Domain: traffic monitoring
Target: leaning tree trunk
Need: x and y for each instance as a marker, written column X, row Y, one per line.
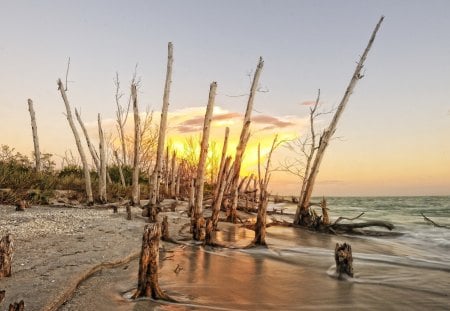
column 119, row 165
column 156, row 176
column 102, row 172
column 148, row 285
column 173, row 171
column 199, row 183
column 222, row 160
column 245, row 134
column 88, row 142
column 6, row 254
column 87, row 176
column 329, row 132
column 37, row 153
column 135, row 195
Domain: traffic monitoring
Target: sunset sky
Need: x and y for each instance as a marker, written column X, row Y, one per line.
column 393, row 139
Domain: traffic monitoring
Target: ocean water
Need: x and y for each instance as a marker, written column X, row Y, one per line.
column 410, row 271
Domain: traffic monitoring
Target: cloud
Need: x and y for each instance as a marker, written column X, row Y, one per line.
column 271, row 122
column 308, row 103
column 195, row 123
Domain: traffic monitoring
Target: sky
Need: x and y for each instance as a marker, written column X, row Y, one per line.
column 393, row 139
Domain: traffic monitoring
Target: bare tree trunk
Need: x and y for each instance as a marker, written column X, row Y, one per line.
column 199, row 185
column 245, row 134
column 119, row 165
column 87, row 176
column 135, row 196
column 148, row 285
column 88, row 142
column 156, row 176
column 37, row 153
column 6, row 254
column 166, row 174
column 173, row 169
column 165, row 236
column 217, row 203
column 222, row 161
column 102, row 172
column 191, row 198
column 260, row 227
column 329, row 132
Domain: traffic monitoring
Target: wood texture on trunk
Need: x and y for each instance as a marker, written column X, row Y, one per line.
column 344, row 259
column 222, row 161
column 222, row 182
column 201, row 168
column 87, row 176
column 156, row 177
column 329, row 132
column 91, row 148
column 37, row 152
column 245, row 132
column 135, row 193
column 148, row 285
column 102, row 172
column 173, row 170
column 119, row 165
column 6, row 255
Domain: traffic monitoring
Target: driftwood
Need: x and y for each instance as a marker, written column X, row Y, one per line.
column 433, row 223
column 372, row 223
column 344, row 259
column 6, row 255
column 148, row 285
column 17, row 306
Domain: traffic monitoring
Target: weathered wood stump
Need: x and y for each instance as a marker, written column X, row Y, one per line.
column 344, row 259
column 209, row 240
column 129, row 216
column 165, row 236
column 6, row 254
column 22, row 205
column 17, row 306
column 148, row 265
column 2, row 295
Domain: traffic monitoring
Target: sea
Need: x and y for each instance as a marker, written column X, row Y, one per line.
column 408, row 270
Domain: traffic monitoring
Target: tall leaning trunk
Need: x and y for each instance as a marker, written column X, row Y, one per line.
column 304, row 202
column 201, row 168
column 135, row 195
column 155, row 178
column 88, row 142
column 102, row 172
column 87, row 176
column 37, row 152
column 245, row 134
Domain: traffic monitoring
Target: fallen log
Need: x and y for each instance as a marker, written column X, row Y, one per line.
column 349, row 227
column 433, row 223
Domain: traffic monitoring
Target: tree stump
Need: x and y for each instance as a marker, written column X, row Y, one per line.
column 17, row 306
column 208, row 233
column 22, row 205
column 6, row 254
column 165, row 229
column 2, row 295
column 129, row 212
column 148, row 265
column 344, row 259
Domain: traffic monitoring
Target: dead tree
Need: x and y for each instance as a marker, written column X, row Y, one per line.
column 121, row 118
column 172, row 189
column 260, row 227
column 91, row 148
column 165, row 236
column 344, row 259
column 6, row 255
column 222, row 160
column 245, row 134
column 191, row 198
column 304, row 202
column 87, row 176
column 135, row 193
column 119, row 165
column 37, row 153
column 155, row 178
column 201, row 168
column 148, row 285
column 102, row 171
